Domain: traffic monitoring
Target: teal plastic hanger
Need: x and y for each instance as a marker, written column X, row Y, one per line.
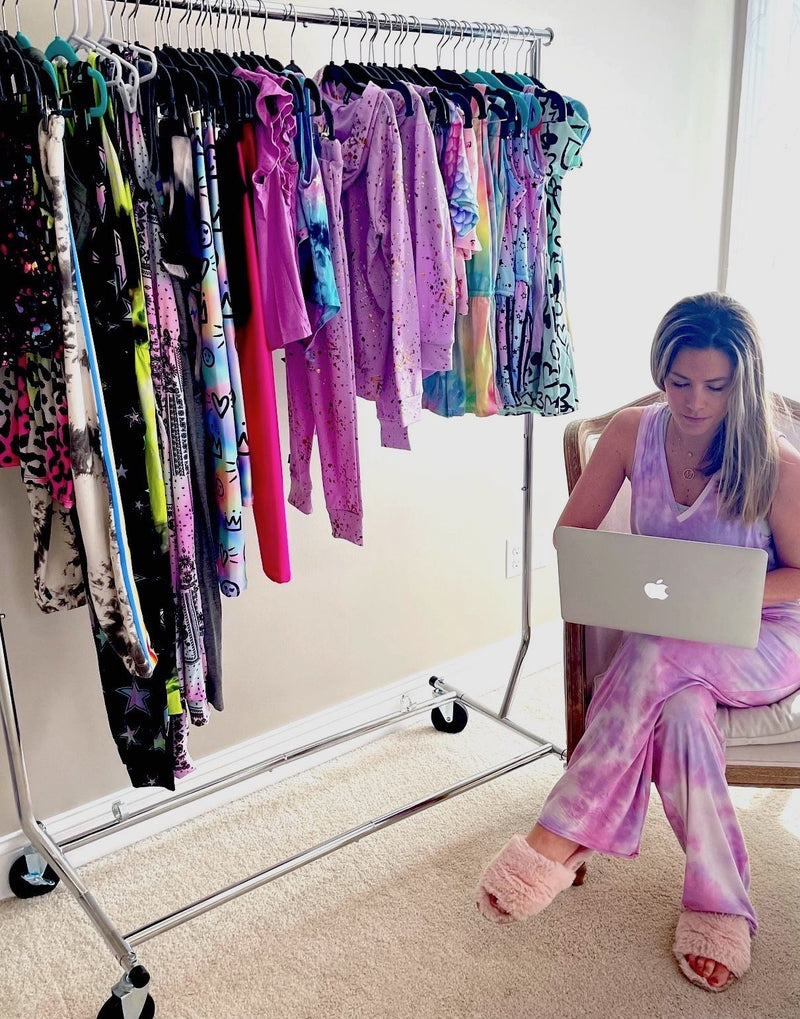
column 24, row 43
column 59, row 47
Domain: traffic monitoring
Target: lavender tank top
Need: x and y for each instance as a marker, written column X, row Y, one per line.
column 655, row 511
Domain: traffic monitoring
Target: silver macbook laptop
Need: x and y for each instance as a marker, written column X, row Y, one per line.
column 663, row 586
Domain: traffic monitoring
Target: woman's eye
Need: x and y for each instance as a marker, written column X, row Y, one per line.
column 680, row 385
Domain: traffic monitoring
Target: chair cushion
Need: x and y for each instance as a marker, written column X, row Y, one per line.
column 771, row 723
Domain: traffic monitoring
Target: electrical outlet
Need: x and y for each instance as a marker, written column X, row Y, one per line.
column 513, row 557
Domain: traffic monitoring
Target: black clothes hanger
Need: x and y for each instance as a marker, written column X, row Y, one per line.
column 465, row 105
column 512, row 121
column 337, row 74
column 405, row 92
column 296, row 87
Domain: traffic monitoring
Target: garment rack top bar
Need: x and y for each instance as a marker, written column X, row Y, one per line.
column 363, row 19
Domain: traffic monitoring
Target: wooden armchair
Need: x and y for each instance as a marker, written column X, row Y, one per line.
column 762, row 744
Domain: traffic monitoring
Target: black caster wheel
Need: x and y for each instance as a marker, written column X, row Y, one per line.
column 113, row 1009
column 458, row 722
column 24, row 889
column 139, row 978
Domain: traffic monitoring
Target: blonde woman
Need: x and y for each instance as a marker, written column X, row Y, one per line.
column 706, row 465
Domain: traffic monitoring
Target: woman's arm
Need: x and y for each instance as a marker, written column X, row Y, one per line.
column 605, row 470
column 783, row 583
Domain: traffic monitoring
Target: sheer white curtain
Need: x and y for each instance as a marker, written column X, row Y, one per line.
column 764, row 256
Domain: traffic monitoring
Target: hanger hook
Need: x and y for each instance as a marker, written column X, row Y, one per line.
column 505, row 47
column 201, row 11
column 243, row 25
column 190, row 26
column 401, row 38
column 219, row 26
column 446, row 34
column 470, row 26
column 419, row 35
column 181, row 23
column 460, row 25
column 262, row 13
column 440, row 28
column 336, row 12
column 365, row 19
column 530, row 37
column 110, row 14
column 236, row 19
column 247, row 28
column 493, row 44
column 398, row 36
column 518, row 30
column 470, row 30
column 374, row 36
column 346, row 14
column 390, row 22
column 455, row 25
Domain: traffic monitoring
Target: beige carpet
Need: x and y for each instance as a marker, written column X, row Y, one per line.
column 387, row 927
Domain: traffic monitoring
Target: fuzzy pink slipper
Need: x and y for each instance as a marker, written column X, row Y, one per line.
column 520, row 882
column 723, row 937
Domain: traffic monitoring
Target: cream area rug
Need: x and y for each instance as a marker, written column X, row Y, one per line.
column 387, row 927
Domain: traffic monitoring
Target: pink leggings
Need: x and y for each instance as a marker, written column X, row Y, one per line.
column 653, row 719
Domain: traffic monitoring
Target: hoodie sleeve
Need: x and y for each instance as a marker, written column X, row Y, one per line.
column 431, row 236
column 390, row 274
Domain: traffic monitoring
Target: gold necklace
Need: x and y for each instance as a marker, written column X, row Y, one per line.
column 689, row 472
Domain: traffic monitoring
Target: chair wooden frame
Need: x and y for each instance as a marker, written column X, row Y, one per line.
column 576, row 683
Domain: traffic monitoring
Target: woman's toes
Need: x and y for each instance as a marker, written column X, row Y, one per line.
column 494, row 904
column 720, row 976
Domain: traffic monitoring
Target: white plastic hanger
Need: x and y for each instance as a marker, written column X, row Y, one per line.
column 108, row 38
column 128, row 88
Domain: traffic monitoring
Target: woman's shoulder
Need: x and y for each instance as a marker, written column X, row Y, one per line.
column 629, row 417
column 625, row 423
column 623, row 431
column 787, row 451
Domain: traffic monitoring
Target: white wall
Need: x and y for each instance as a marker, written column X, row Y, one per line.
column 641, row 228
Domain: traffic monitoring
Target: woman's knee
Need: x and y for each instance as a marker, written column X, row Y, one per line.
column 690, row 708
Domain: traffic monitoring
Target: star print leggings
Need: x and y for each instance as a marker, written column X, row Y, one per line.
column 653, row 719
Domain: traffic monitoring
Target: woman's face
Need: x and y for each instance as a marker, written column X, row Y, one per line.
column 697, row 387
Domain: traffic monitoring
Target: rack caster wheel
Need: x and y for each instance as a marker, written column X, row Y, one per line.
column 456, row 723
column 113, row 1009
column 129, row 999
column 26, row 887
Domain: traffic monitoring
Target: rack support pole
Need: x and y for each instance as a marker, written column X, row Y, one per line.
column 37, row 834
column 527, row 497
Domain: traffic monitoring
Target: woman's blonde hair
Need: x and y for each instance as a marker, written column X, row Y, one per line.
column 745, row 448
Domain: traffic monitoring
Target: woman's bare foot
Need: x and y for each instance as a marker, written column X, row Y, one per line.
column 714, row 972
column 554, row 847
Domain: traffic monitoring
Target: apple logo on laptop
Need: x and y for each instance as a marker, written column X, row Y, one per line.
column 657, row 590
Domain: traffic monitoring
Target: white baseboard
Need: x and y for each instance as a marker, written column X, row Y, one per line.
column 475, row 675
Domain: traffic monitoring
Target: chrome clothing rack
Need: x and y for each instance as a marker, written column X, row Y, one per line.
column 44, row 862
